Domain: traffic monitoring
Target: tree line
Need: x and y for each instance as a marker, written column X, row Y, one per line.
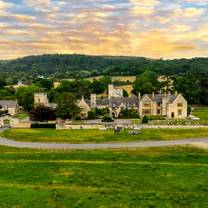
column 81, row 66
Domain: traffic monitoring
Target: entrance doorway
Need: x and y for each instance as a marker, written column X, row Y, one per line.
column 172, row 115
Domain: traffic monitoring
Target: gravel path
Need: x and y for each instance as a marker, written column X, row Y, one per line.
column 40, row 145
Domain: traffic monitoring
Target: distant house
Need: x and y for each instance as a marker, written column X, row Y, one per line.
column 10, row 105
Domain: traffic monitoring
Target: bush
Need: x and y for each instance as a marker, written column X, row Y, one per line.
column 91, row 115
column 156, row 117
column 129, row 113
column 43, row 126
column 107, row 118
column 145, row 119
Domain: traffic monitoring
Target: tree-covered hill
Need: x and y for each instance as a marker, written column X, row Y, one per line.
column 68, row 66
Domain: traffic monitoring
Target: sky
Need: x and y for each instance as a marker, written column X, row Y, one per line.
column 149, row 28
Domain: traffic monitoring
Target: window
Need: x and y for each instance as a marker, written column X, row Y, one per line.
column 146, row 112
column 180, row 104
column 158, row 111
column 146, row 104
column 179, row 112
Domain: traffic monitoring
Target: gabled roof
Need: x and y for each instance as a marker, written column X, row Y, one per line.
column 127, row 101
column 9, row 103
column 158, row 97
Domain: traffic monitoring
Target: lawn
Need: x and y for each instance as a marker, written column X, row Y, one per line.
column 201, row 112
column 84, row 136
column 147, row 178
column 21, row 116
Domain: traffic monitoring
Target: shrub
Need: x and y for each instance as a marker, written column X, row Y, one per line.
column 43, row 126
column 145, row 119
column 129, row 113
column 91, row 115
column 156, row 117
column 107, row 118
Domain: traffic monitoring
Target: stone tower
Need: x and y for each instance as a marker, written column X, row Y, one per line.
column 41, row 99
column 114, row 92
column 93, row 100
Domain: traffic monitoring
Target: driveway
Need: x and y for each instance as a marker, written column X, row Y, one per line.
column 88, row 146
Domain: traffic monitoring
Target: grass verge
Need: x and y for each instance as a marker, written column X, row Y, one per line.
column 150, row 177
column 86, row 136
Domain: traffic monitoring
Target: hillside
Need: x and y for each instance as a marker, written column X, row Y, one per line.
column 68, row 66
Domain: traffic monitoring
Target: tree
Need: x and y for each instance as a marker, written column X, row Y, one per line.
column 25, row 96
column 98, row 87
column 2, row 82
column 67, row 106
column 125, row 93
column 46, row 84
column 145, row 119
column 187, row 85
column 42, row 113
column 146, row 83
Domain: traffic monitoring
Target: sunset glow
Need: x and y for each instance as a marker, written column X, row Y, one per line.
column 150, row 28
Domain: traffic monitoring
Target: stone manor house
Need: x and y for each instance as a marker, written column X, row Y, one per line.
column 169, row 105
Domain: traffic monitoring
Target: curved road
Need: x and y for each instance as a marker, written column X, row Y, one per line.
column 88, row 146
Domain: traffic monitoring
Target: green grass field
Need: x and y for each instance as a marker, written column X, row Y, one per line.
column 84, row 136
column 147, row 178
column 201, row 112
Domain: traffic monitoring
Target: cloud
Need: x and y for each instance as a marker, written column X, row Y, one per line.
column 152, row 28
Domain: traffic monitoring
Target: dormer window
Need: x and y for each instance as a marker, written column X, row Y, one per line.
column 180, row 104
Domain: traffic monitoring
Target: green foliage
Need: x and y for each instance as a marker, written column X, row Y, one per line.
column 42, row 113
column 6, row 94
column 91, row 115
column 107, row 118
column 101, row 112
column 67, row 106
column 125, row 93
column 2, row 82
column 146, row 83
column 25, row 96
column 129, row 113
column 156, row 117
column 145, row 119
column 46, row 84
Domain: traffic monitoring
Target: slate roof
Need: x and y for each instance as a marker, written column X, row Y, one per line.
column 9, row 103
column 127, row 101
column 158, row 97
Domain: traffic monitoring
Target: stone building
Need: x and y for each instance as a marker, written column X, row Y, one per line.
column 169, row 105
column 10, row 105
column 42, row 99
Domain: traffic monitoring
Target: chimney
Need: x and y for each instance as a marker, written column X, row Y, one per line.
column 153, row 94
column 139, row 95
column 176, row 92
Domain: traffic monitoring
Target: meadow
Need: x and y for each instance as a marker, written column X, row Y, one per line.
column 154, row 177
column 87, row 136
column 201, row 112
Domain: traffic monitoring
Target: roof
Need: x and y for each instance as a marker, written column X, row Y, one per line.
column 158, row 97
column 127, row 101
column 104, row 101
column 9, row 103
